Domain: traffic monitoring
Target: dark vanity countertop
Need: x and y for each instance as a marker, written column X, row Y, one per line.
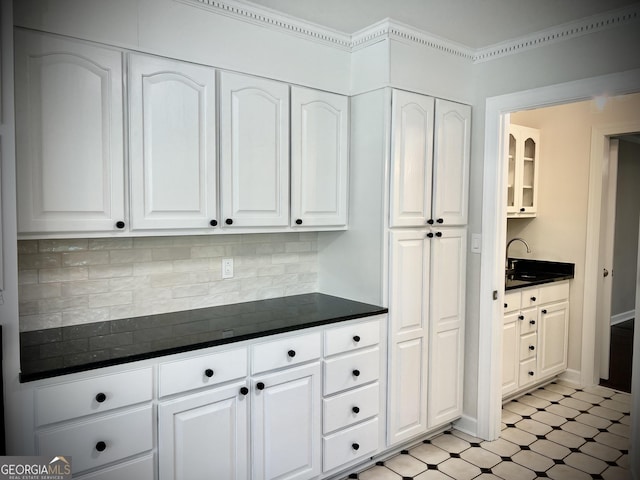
column 58, row 351
column 529, row 273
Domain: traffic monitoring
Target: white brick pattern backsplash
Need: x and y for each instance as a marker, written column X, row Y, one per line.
column 75, row 281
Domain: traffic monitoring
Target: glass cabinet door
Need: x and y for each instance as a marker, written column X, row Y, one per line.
column 511, row 176
column 529, row 173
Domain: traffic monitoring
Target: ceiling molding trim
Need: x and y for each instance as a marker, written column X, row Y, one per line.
column 562, row 32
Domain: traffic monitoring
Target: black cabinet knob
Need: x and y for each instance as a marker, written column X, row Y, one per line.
column 260, row 386
column 101, row 397
column 532, row 322
column 544, row 310
column 430, row 235
column 120, row 224
column 531, row 374
column 430, row 221
column 299, row 221
column 356, row 373
column 532, row 348
column 533, row 299
column 440, row 220
column 356, row 338
column 522, row 209
column 438, row 234
column 506, row 305
column 520, row 317
column 291, row 353
column 228, row 221
column 355, row 446
column 355, row 409
column 208, row 372
column 244, row 390
column 101, row 446
column 213, row 223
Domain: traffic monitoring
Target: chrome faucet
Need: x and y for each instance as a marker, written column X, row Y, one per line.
column 509, row 265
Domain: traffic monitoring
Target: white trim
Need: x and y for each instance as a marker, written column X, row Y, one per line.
column 392, row 29
column 466, row 424
column 494, row 231
column 634, row 452
column 570, row 375
column 623, row 317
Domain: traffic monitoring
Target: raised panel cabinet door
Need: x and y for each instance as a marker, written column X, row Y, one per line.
column 204, row 435
column 553, row 330
column 411, row 159
column 286, row 422
column 69, row 135
column 510, row 353
column 254, row 148
column 451, row 163
column 319, row 158
column 172, row 138
column 446, row 324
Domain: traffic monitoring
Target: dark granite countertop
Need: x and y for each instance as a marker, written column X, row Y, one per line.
column 58, row 351
column 529, row 273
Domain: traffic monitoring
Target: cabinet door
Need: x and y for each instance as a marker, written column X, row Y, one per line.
column 451, row 163
column 319, row 158
column 446, row 325
column 524, row 152
column 204, row 435
column 411, row 161
column 408, row 293
column 69, row 134
column 553, row 330
column 510, row 354
column 286, row 424
column 254, row 120
column 172, row 143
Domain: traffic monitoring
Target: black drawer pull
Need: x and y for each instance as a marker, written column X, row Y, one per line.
column 430, row 235
column 531, row 347
column 213, row 223
column 356, row 338
column 244, row 390
column 228, row 221
column 299, row 221
column 532, row 322
column 520, row 317
column 438, row 234
column 356, row 373
column 531, row 374
column 355, row 446
column 544, row 310
column 260, row 386
column 101, row 446
column 506, row 305
column 291, row 353
column 208, row 372
column 101, row 397
column 440, row 220
column 533, row 299
column 430, row 221
column 355, row 410
column 120, row 224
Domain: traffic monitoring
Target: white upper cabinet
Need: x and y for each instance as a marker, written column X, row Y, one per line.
column 319, row 158
column 411, row 159
column 451, row 163
column 69, row 133
column 522, row 180
column 254, row 163
column 172, row 111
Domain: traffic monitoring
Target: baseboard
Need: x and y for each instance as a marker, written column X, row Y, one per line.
column 571, row 376
column 622, row 317
column 468, row 425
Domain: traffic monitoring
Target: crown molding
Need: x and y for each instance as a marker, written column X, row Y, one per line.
column 389, row 29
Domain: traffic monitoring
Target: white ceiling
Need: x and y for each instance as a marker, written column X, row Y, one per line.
column 474, row 23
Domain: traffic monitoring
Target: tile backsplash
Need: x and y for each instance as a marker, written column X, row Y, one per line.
column 75, row 281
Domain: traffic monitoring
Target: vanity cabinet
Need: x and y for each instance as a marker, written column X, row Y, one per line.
column 69, row 135
column 523, row 171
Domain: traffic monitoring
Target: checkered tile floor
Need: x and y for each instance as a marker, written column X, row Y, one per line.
column 557, row 432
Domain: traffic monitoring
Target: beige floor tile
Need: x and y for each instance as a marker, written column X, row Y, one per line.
column 510, row 417
column 615, row 441
column 432, row 475
column 617, row 406
column 580, row 429
column 593, row 420
column 533, row 426
column 501, row 447
column 585, row 463
column 588, row 397
column 487, row 476
column 606, row 413
column 563, row 411
column 580, row 405
column 533, row 461
column 562, row 381
column 549, row 418
column 620, row 429
column 429, row 454
column 405, row 465
column 519, row 408
column 517, row 436
column 623, row 462
column 626, row 420
column 550, row 449
column 459, row 469
column 450, row 443
column 466, row 437
column 547, row 395
column 565, row 472
column 559, row 388
column 513, row 471
column 566, row 439
column 601, row 391
column 378, row 473
column 603, row 452
column 480, row 457
column 535, row 402
column 622, row 397
column 616, row 473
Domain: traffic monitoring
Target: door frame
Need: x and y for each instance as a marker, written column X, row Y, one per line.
column 494, row 231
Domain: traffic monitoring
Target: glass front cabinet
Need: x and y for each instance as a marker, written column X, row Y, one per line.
column 522, row 179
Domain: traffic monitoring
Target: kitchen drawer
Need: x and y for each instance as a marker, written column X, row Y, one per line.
column 555, row 292
column 351, row 337
column 64, row 401
column 530, row 297
column 528, row 346
column 201, row 371
column 349, row 445
column 350, row 407
column 122, row 435
column 512, row 301
column 285, row 352
column 138, row 469
column 529, row 322
column 528, row 372
column 351, row 370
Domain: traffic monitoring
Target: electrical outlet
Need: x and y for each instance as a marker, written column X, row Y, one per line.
column 227, row 268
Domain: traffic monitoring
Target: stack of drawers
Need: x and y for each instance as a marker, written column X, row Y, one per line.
column 105, row 423
column 351, row 393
